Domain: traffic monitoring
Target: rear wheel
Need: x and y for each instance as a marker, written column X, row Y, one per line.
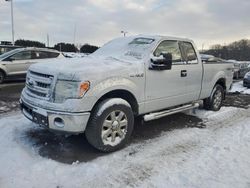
column 110, row 125
column 2, row 76
column 214, row 102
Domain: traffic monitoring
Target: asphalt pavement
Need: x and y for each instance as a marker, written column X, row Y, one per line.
column 11, row 90
column 9, row 95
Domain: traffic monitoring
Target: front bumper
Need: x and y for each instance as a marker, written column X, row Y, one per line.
column 55, row 120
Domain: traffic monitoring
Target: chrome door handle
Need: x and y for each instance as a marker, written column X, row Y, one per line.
column 183, row 73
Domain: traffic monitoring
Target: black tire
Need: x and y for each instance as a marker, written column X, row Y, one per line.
column 96, row 130
column 214, row 102
column 2, row 77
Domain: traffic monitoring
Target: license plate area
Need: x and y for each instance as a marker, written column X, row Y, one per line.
column 40, row 119
column 34, row 116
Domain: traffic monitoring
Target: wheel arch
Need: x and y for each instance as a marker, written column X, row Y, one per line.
column 3, row 71
column 123, row 94
column 4, row 75
column 222, row 83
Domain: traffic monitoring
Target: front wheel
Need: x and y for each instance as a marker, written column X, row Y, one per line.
column 214, row 102
column 110, row 125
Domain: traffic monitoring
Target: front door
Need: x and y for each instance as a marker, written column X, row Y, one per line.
column 166, row 88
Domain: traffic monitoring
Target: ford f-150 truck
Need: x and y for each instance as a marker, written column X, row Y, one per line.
column 150, row 76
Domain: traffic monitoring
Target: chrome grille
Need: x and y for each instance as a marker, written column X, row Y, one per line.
column 39, row 85
column 43, row 85
column 40, row 74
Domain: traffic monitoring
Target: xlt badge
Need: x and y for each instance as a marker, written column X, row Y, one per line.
column 137, row 75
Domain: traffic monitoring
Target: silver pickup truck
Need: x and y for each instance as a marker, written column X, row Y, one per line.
column 150, row 76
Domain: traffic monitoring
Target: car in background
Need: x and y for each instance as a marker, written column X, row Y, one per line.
column 240, row 68
column 206, row 57
column 246, row 80
column 210, row 58
column 7, row 48
column 15, row 63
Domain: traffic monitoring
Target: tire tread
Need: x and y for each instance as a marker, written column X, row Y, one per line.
column 92, row 130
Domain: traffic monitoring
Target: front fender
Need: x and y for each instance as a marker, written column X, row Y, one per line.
column 135, row 86
column 116, row 83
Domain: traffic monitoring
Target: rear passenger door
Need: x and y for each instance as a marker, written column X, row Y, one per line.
column 193, row 70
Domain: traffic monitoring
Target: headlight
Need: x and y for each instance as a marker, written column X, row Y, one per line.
column 70, row 90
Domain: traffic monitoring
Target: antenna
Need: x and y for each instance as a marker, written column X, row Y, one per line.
column 75, row 34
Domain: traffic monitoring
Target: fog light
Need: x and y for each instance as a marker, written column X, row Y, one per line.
column 59, row 122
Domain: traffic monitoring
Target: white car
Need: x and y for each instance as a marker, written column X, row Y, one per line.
column 15, row 63
column 151, row 76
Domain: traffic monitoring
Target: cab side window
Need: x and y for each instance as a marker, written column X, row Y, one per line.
column 41, row 55
column 189, row 53
column 44, row 55
column 24, row 55
column 53, row 54
column 171, row 47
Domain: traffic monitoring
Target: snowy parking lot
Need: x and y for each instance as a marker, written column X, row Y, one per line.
column 193, row 149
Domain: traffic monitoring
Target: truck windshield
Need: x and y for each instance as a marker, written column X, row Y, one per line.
column 127, row 48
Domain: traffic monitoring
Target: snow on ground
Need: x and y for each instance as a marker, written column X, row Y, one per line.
column 7, row 106
column 215, row 156
column 238, row 87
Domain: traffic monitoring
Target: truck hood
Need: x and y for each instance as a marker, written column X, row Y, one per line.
column 87, row 68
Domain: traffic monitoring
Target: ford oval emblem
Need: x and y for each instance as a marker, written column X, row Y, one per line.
column 31, row 82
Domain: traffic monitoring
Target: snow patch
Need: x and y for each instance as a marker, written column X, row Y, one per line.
column 112, row 102
column 217, row 156
column 8, row 106
column 237, row 87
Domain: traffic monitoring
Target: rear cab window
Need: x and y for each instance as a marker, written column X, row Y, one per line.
column 188, row 52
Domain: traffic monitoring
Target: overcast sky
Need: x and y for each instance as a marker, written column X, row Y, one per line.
column 97, row 21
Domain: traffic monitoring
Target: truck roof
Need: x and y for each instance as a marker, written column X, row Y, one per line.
column 161, row 37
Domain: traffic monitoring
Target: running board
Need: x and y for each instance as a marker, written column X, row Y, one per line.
column 157, row 115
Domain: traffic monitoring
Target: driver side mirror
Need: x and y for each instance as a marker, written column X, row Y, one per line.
column 163, row 62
